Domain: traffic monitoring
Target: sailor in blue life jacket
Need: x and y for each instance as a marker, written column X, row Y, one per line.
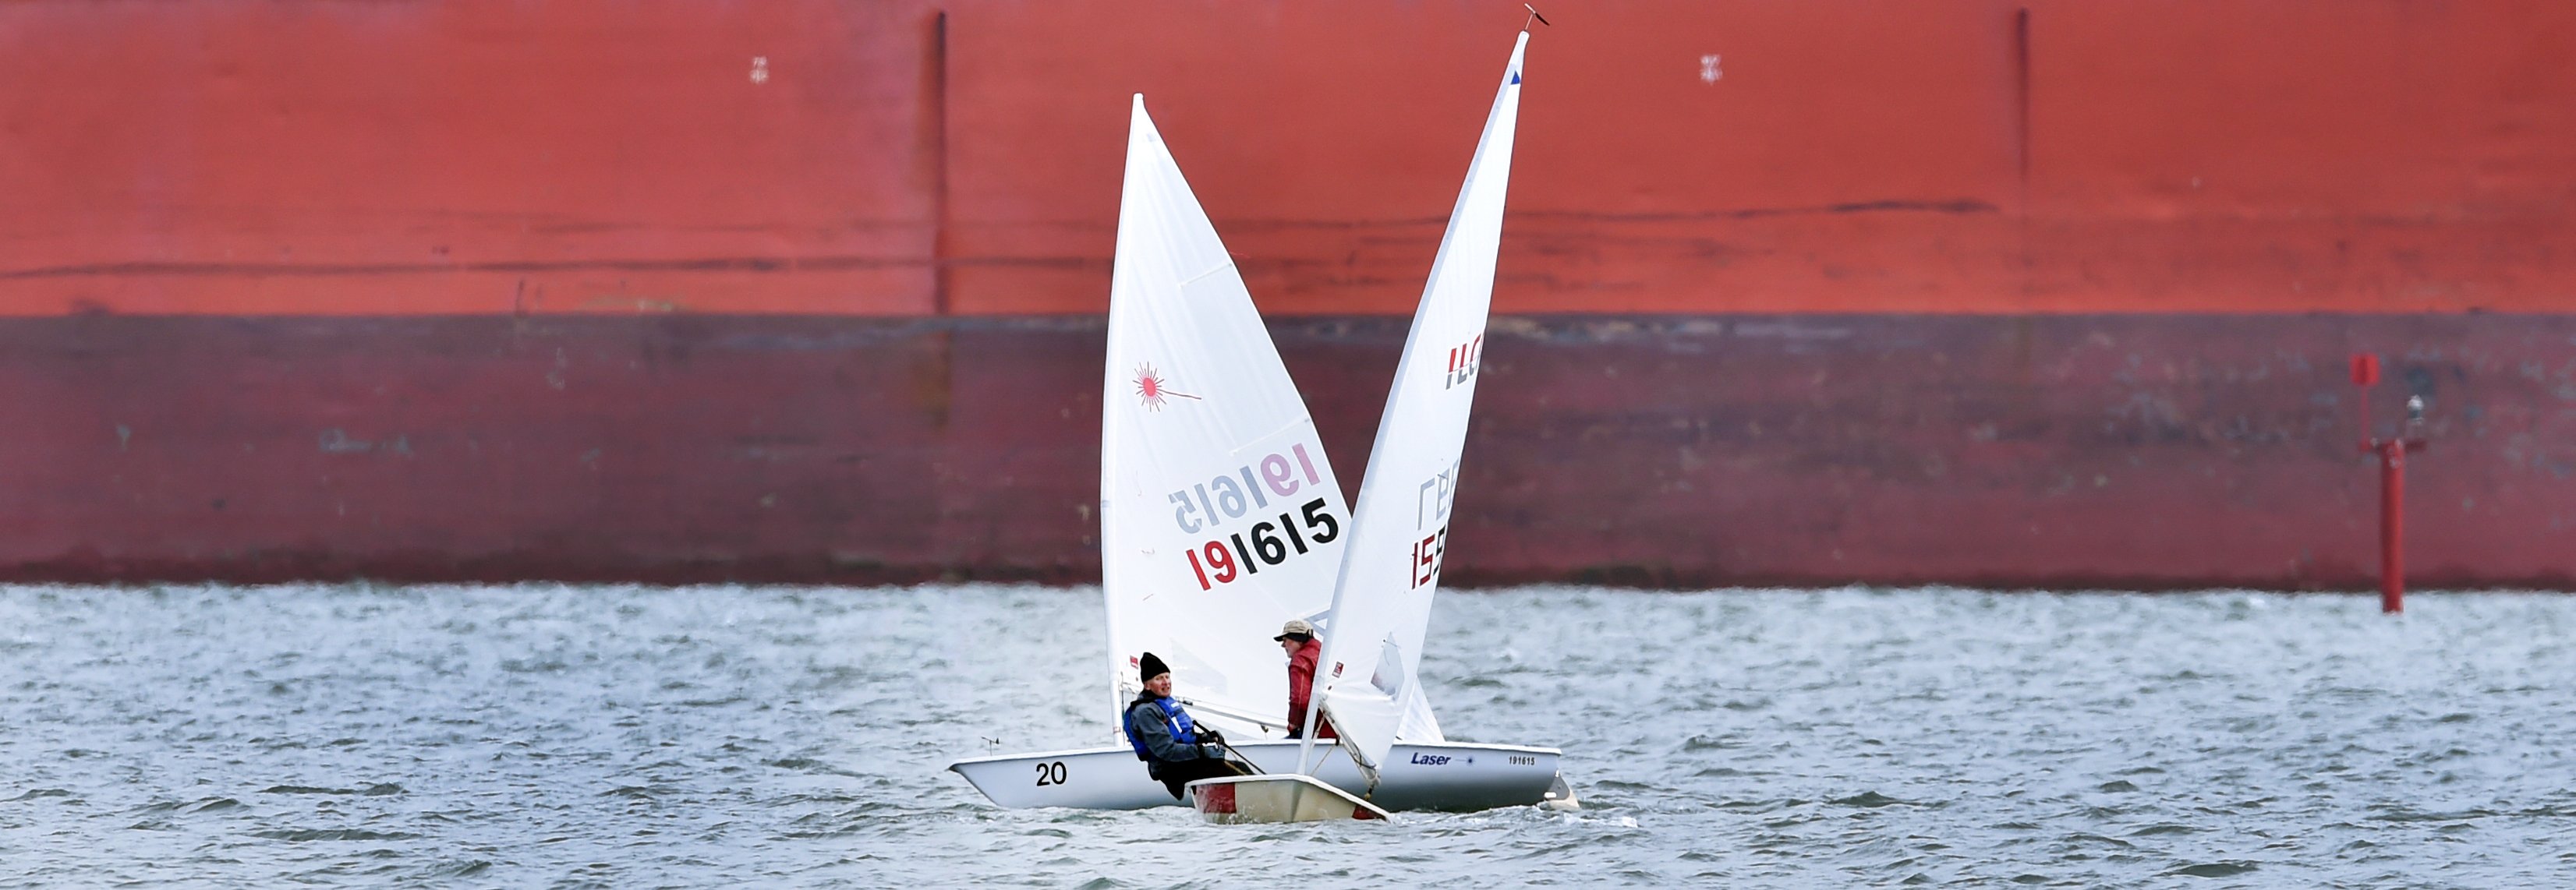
column 1176, row 751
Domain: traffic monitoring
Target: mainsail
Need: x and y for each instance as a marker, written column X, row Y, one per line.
column 1382, row 604
column 1219, row 516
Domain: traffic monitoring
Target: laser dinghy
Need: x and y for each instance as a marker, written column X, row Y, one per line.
column 1367, row 682
column 1220, row 520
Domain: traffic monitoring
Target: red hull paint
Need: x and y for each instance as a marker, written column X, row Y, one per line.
column 2060, row 451
column 917, row 158
column 807, row 290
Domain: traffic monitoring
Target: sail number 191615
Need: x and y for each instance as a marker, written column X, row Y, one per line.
column 1271, row 544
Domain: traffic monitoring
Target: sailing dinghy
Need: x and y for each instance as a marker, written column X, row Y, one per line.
column 1220, row 520
column 1367, row 680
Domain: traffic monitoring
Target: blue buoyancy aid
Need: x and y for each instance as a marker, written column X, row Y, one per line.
column 1183, row 731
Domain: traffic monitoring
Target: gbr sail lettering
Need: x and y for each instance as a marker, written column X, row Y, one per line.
column 1431, row 502
column 1207, row 507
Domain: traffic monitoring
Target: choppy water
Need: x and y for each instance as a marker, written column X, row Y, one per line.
column 615, row 736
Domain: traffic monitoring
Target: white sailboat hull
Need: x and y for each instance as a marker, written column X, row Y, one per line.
column 1288, row 797
column 1454, row 776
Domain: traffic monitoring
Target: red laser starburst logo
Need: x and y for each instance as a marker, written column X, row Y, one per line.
column 1153, row 388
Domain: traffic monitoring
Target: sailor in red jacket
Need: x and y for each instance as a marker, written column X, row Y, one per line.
column 1298, row 640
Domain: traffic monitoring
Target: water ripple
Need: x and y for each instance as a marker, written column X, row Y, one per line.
column 573, row 736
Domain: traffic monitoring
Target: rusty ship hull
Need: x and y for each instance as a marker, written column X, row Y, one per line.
column 2038, row 294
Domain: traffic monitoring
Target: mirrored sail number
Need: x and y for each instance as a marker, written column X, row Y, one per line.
column 1215, row 562
column 1463, row 361
column 1209, row 504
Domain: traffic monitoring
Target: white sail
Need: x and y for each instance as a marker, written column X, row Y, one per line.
column 1382, row 603
column 1219, row 516
column 1195, row 407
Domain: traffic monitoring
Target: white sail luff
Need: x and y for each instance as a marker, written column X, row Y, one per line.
column 1366, row 680
column 1135, row 239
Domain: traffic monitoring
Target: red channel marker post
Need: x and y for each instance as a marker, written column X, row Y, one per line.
column 2392, row 483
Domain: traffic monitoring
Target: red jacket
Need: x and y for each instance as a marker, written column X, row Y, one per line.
column 1301, row 686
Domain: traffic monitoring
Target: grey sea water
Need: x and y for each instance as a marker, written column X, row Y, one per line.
column 626, row 737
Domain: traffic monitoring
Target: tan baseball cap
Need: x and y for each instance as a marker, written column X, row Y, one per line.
column 1295, row 626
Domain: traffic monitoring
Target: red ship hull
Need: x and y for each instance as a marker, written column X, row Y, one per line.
column 2045, row 294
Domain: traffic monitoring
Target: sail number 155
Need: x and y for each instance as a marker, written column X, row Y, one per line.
column 1271, row 544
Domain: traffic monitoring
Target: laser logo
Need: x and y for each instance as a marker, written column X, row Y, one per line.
column 1154, row 390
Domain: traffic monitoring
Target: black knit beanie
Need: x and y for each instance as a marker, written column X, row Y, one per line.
column 1149, row 666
